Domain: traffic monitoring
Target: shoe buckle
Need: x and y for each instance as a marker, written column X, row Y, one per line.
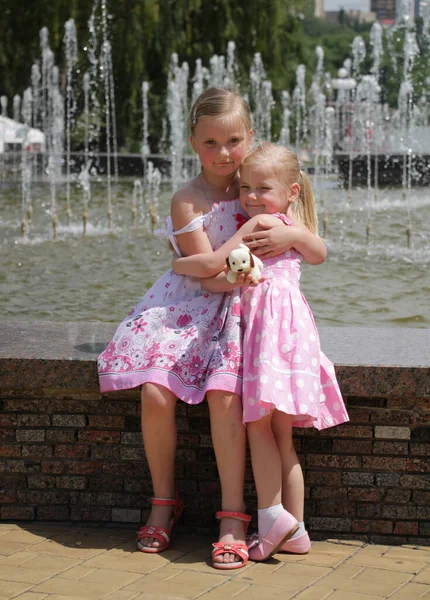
column 151, row 530
column 227, row 547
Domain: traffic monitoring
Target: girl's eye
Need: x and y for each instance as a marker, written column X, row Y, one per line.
column 234, row 141
column 210, row 142
column 266, row 189
column 244, row 187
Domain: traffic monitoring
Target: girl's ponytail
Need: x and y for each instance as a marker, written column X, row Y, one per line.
column 305, row 210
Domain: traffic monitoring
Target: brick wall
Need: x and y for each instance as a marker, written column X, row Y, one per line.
column 77, row 456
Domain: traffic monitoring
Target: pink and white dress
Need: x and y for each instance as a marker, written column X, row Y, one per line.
column 283, row 366
column 179, row 335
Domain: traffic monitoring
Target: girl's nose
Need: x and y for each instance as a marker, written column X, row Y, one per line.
column 224, row 151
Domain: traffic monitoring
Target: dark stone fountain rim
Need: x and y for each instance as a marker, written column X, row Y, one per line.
column 368, row 360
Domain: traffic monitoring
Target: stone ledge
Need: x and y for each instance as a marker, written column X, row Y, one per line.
column 369, row 361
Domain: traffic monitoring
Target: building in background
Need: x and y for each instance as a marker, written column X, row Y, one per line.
column 385, row 10
column 319, row 9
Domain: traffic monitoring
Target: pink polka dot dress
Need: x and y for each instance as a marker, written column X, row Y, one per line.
column 283, row 366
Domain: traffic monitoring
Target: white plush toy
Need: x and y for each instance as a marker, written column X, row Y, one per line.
column 241, row 260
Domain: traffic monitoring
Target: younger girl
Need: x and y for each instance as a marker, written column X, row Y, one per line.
column 287, row 380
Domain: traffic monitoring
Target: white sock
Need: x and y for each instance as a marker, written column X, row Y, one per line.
column 301, row 530
column 266, row 518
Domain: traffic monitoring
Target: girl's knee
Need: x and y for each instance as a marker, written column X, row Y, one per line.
column 156, row 398
column 222, row 401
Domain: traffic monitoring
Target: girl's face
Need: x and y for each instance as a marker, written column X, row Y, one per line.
column 221, row 144
column 261, row 191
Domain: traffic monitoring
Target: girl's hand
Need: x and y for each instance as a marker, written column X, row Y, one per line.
column 245, row 279
column 271, row 241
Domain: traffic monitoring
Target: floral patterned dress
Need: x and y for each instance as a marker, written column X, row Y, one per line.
column 283, row 366
column 178, row 335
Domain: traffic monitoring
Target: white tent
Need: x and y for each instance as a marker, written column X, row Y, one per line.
column 14, row 136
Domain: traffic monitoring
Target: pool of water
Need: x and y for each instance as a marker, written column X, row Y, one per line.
column 99, row 277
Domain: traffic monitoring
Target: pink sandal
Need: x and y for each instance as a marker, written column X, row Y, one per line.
column 240, row 550
column 161, row 534
column 282, row 529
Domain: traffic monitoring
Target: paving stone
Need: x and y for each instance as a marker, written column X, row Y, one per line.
column 351, row 578
column 412, row 591
column 319, row 592
column 423, row 577
column 396, row 559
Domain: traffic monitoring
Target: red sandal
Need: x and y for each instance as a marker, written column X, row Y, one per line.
column 161, row 534
column 240, row 550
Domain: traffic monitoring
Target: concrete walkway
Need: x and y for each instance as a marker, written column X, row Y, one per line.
column 43, row 562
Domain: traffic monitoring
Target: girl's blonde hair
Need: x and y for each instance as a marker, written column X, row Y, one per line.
column 286, row 167
column 220, row 102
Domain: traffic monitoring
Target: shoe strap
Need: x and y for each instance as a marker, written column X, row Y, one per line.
column 164, row 501
column 229, row 514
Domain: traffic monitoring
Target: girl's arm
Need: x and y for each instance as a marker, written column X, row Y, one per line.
column 268, row 241
column 211, row 263
column 219, row 283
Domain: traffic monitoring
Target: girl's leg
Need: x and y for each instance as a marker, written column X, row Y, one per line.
column 159, row 439
column 266, row 462
column 293, row 488
column 229, row 441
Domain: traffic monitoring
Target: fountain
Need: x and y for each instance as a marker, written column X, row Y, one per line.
column 343, row 134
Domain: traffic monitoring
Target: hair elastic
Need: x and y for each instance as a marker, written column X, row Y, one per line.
column 194, row 116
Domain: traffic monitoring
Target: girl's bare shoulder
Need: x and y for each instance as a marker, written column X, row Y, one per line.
column 187, row 203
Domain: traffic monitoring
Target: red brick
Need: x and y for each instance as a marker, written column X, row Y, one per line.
column 41, row 482
column 45, row 497
column 52, row 466
column 358, row 414
column 397, row 496
column 188, row 439
column 125, row 469
column 8, row 420
column 372, row 526
column 79, row 513
column 7, row 496
column 416, row 482
column 77, row 467
column 17, row 513
column 99, row 437
column 328, row 492
column 349, row 431
column 10, row 450
column 71, row 483
column 406, row 528
column 36, row 451
column 418, row 465
column 333, row 461
column 384, row 463
column 420, row 449
column 390, row 417
column 335, row 508
column 352, row 446
column 72, row 450
column 34, row 420
column 323, row 478
column 398, row 511
column 106, row 422
column 53, row 513
column 421, row 497
column 7, row 435
column 390, row 447
column 106, row 452
column 364, row 494
column 107, row 484
column 60, row 435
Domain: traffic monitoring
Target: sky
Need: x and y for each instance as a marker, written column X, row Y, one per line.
column 347, row 4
